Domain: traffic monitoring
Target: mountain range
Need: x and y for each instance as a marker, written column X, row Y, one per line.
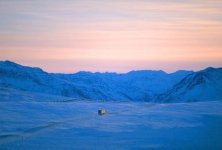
column 143, row 85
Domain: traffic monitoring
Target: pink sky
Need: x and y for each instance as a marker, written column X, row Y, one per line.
column 114, row 36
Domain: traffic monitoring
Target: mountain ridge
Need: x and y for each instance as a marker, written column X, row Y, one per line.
column 142, row 85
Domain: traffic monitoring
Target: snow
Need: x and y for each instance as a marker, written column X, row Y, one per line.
column 205, row 85
column 15, row 95
column 143, row 85
column 127, row 125
column 39, row 110
column 135, row 85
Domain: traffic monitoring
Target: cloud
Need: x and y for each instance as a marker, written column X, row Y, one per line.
column 125, row 31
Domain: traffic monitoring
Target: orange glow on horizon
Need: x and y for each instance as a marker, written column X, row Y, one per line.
column 112, row 36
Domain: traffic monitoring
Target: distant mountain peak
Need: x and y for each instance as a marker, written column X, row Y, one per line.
column 139, row 85
column 202, row 85
column 9, row 63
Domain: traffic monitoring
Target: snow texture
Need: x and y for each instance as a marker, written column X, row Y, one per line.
column 40, row 110
column 144, row 85
column 127, row 125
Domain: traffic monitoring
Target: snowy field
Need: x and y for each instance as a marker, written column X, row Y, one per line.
column 141, row 126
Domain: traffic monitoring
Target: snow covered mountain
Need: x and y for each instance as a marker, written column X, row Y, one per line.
column 203, row 85
column 31, row 79
column 144, row 85
column 135, row 85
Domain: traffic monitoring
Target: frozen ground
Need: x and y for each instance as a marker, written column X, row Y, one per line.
column 27, row 125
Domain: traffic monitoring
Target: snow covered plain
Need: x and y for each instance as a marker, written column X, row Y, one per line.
column 56, row 125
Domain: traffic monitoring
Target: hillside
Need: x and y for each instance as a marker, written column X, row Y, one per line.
column 203, row 85
column 143, row 85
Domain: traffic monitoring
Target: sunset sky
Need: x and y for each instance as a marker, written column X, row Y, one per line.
column 112, row 35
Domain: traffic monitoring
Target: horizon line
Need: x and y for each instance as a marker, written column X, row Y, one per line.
column 111, row 72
